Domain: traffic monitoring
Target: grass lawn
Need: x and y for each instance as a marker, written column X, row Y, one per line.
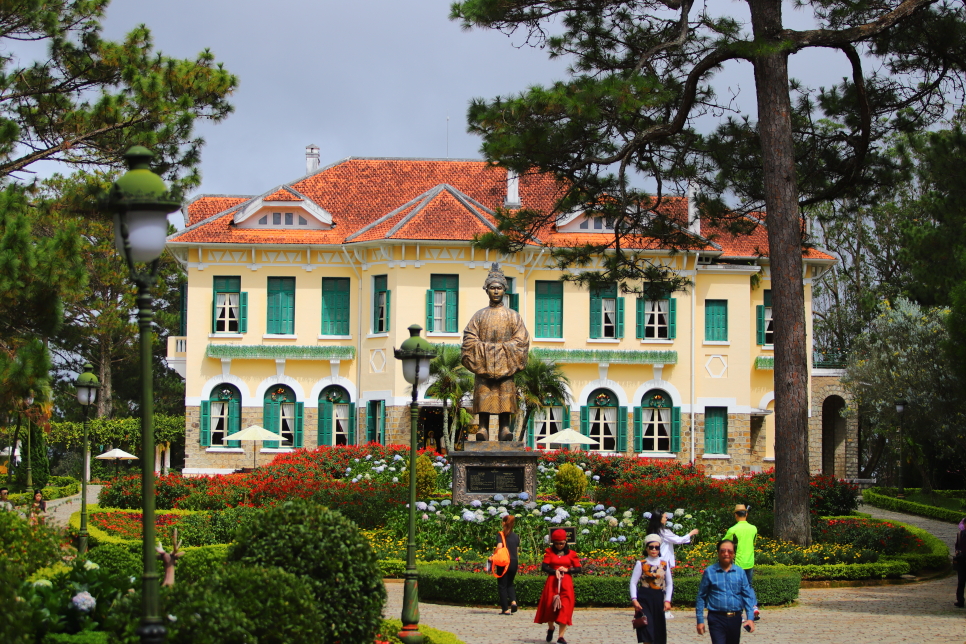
column 936, row 501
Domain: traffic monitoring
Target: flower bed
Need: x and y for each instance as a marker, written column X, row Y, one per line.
column 885, row 498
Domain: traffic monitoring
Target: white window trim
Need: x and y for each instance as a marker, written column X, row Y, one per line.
column 278, row 450
column 767, row 347
column 723, row 457
column 604, row 340
column 279, row 336
column 769, row 459
column 369, row 336
column 656, row 455
column 225, row 450
column 334, row 337
column 549, row 339
column 656, row 341
column 443, row 334
column 226, row 335
column 717, row 343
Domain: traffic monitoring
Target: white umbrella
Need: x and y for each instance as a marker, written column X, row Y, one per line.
column 116, row 455
column 254, row 433
column 569, row 437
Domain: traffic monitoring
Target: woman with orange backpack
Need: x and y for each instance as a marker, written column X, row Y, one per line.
column 504, row 561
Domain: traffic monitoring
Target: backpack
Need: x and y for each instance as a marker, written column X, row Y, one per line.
column 502, row 556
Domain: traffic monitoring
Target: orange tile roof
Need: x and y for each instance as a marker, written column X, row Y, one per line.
column 420, row 199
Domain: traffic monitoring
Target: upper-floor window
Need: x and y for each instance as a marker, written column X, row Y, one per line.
column 597, row 223
column 380, row 304
column 606, row 313
column 277, row 219
column 229, row 306
column 765, row 329
column 335, row 306
column 716, row 320
column 657, row 319
column 281, row 305
column 511, row 299
column 442, row 303
column 549, row 310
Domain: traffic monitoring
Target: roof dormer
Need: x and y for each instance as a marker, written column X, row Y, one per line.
column 581, row 222
column 286, row 209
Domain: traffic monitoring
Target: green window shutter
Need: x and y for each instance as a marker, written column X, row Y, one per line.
column 205, row 423
column 234, row 419
column 715, row 430
column 620, row 317
column 214, row 313
column 530, row 437
column 299, row 416
column 639, row 332
column 335, row 306
column 371, row 431
column 288, row 303
column 515, row 301
column 183, row 298
column 548, row 314
column 767, row 295
column 388, row 301
column 243, row 312
column 622, row 429
column 595, row 313
column 716, row 320
column 452, row 310
column 325, row 423
column 429, row 310
column 566, row 417
column 638, row 429
column 381, row 418
column 675, row 429
column 672, row 318
column 352, row 424
column 584, row 422
column 760, row 324
column 271, row 417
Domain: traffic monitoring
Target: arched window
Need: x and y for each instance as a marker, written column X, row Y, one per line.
column 337, row 417
column 604, row 421
column 282, row 415
column 221, row 416
column 545, row 421
column 657, row 423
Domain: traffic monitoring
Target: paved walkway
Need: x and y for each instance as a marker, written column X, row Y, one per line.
column 59, row 510
column 915, row 613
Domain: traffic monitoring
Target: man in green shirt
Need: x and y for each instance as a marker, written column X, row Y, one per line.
column 744, row 534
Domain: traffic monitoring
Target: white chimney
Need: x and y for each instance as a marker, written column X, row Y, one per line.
column 694, row 215
column 311, row 158
column 512, row 189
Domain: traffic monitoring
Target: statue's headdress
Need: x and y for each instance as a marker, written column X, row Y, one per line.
column 495, row 275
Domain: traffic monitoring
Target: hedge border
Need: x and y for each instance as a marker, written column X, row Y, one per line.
column 431, row 635
column 937, row 556
column 437, row 582
column 50, row 493
column 875, row 496
column 96, row 536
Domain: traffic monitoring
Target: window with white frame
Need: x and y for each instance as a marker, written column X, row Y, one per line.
column 219, row 422
column 608, row 323
column 287, row 424
column 656, row 322
column 603, row 429
column 226, row 313
column 340, row 424
column 656, row 430
column 546, row 422
column 769, row 329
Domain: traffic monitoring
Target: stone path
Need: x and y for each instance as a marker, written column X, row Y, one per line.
column 59, row 510
column 915, row 613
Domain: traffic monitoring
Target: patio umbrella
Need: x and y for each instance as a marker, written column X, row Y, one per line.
column 116, row 455
column 254, row 433
column 568, row 437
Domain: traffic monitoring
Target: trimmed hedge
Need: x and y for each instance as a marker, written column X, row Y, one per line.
column 97, row 537
column 876, row 497
column 57, row 487
column 437, row 582
column 430, row 635
column 878, row 570
column 83, row 637
column 937, row 556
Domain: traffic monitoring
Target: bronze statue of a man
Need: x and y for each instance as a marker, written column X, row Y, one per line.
column 495, row 347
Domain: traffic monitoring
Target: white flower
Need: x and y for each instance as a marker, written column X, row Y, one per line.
column 583, row 520
column 84, row 602
column 611, row 510
column 421, row 506
column 368, row 477
column 502, row 509
column 585, row 531
column 556, row 519
column 368, row 457
column 445, row 502
column 174, row 618
column 536, row 513
column 596, row 478
column 498, row 498
column 43, row 583
column 679, row 512
column 437, row 464
column 90, row 565
column 475, row 503
column 469, row 516
column 588, row 473
column 598, row 508
column 546, row 507
column 395, row 479
column 392, row 469
column 621, row 538
column 613, row 539
column 397, row 457
column 647, row 515
column 348, row 470
column 628, row 514
column 612, row 522
column 491, row 510
column 355, row 460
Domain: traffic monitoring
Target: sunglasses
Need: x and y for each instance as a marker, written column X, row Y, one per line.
column 653, row 547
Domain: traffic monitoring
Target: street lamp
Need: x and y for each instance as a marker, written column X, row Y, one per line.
column 900, row 410
column 29, row 400
column 87, row 386
column 415, row 353
column 140, row 203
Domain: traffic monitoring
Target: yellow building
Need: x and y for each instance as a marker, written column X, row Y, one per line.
column 296, row 297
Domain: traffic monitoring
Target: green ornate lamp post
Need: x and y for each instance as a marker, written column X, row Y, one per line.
column 415, row 354
column 87, row 386
column 900, row 410
column 140, row 202
column 28, row 402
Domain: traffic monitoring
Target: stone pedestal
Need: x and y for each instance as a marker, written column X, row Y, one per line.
column 485, row 468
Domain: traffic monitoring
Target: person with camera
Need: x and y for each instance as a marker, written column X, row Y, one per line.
column 725, row 592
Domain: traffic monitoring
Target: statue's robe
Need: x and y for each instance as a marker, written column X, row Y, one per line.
column 495, row 347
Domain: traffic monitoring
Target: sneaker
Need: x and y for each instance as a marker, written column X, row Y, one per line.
column 757, row 614
column 668, row 615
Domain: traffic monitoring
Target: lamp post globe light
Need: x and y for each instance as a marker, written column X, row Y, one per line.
column 87, row 386
column 415, row 354
column 900, row 410
column 140, row 203
column 28, row 402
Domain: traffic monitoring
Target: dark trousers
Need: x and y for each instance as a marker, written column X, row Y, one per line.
column 962, row 582
column 504, row 584
column 724, row 629
column 750, row 574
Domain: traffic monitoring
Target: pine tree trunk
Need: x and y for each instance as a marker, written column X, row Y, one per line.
column 105, row 403
column 792, row 520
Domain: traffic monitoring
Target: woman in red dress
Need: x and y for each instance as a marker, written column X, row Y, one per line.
column 559, row 562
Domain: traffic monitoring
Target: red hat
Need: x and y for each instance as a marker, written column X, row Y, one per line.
column 558, row 535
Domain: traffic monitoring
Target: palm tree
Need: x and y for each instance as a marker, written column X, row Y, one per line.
column 451, row 381
column 539, row 384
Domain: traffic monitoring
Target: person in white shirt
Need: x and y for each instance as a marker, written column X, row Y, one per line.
column 657, row 524
column 651, row 590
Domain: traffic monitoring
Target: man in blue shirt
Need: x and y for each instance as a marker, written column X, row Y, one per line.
column 725, row 592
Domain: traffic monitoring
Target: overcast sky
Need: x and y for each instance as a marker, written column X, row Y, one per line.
column 363, row 78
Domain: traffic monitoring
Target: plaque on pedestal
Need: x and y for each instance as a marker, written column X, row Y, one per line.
column 486, row 468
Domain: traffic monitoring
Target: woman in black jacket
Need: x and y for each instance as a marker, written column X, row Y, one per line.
column 506, row 574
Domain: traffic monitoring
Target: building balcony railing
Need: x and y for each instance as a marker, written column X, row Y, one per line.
column 177, row 358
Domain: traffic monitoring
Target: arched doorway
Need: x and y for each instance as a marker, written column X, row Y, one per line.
column 833, row 437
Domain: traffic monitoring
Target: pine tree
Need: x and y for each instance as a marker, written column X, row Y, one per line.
column 642, row 72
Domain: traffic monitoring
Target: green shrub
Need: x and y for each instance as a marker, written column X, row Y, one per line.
column 39, row 465
column 84, row 637
column 238, row 604
column 814, row 572
column 882, row 498
column 392, row 568
column 328, row 550
column 199, row 563
column 28, row 547
column 390, row 627
column 425, row 476
column 438, row 582
column 570, row 483
column 15, row 622
column 116, row 559
column 209, row 528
